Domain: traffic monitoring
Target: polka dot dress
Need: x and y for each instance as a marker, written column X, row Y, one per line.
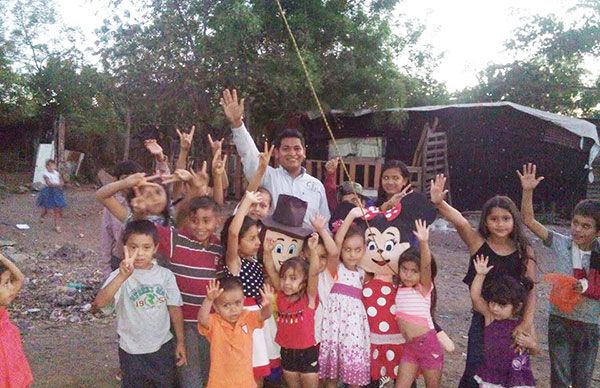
column 386, row 340
column 252, row 278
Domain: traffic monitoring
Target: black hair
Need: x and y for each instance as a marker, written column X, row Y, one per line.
column 589, row 208
column 127, row 167
column 247, row 223
column 144, row 227
column 389, row 164
column 296, row 263
column 204, row 202
column 230, row 283
column 285, row 133
column 166, row 213
column 355, row 230
column 505, row 290
column 413, row 254
column 517, row 235
column 48, row 161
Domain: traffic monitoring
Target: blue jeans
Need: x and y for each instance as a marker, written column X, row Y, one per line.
column 573, row 346
column 195, row 373
column 475, row 351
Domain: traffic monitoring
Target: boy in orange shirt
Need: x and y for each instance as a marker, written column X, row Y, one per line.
column 229, row 332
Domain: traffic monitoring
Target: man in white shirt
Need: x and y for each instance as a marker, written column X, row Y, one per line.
column 290, row 177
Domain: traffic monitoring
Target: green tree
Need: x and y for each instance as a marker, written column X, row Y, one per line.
column 172, row 62
column 551, row 76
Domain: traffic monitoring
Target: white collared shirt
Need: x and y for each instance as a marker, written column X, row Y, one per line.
column 279, row 181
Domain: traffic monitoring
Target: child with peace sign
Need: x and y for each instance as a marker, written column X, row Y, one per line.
column 147, row 302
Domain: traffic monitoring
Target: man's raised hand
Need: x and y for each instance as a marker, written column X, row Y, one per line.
column 233, row 109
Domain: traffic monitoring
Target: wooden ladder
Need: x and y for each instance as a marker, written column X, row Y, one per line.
column 432, row 156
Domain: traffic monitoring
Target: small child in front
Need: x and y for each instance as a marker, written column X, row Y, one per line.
column 229, row 331
column 147, row 302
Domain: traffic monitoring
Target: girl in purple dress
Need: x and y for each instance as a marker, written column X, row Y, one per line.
column 506, row 359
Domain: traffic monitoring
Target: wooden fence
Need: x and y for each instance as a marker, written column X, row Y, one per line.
column 366, row 171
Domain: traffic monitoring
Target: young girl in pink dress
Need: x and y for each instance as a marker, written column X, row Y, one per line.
column 14, row 368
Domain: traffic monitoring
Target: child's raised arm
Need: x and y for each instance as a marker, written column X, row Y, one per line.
column 267, row 297
column 217, row 145
column 333, row 253
column 529, row 182
column 482, row 269
column 313, row 269
column 213, row 290
column 469, row 235
column 106, row 193
column 185, row 144
column 268, row 246
column 232, row 258
column 422, row 233
column 263, row 162
column 17, row 276
column 341, row 233
column 218, row 172
column 106, row 294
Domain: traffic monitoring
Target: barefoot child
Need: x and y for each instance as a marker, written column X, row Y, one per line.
column 500, row 236
column 14, row 368
column 297, row 300
column 422, row 349
column 229, row 331
column 572, row 336
column 505, row 362
column 51, row 197
column 147, row 302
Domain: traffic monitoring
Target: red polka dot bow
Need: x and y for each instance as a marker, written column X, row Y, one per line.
column 391, row 214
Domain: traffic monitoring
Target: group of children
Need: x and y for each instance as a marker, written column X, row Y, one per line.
column 195, row 309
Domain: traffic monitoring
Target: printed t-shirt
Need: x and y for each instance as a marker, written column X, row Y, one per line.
column 143, row 320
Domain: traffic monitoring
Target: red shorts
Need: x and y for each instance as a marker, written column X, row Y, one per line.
column 424, row 351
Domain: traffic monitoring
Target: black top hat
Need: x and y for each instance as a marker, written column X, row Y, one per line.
column 288, row 216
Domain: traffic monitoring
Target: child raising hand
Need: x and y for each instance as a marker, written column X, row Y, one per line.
column 413, row 313
column 230, row 330
column 501, row 306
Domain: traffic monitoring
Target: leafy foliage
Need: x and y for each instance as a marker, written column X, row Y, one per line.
column 551, row 76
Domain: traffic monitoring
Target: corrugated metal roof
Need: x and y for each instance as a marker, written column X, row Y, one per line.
column 579, row 127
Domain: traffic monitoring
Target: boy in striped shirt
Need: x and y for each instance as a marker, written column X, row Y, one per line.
column 194, row 254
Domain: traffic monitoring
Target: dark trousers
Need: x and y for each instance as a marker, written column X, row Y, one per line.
column 475, row 351
column 573, row 346
column 155, row 370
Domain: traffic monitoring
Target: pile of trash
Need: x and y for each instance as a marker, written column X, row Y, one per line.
column 59, row 286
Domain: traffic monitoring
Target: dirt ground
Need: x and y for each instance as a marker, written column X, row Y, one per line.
column 78, row 349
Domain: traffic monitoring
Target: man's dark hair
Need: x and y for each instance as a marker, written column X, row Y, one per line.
column 204, row 202
column 144, row 227
column 288, row 132
column 589, row 208
column 127, row 167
